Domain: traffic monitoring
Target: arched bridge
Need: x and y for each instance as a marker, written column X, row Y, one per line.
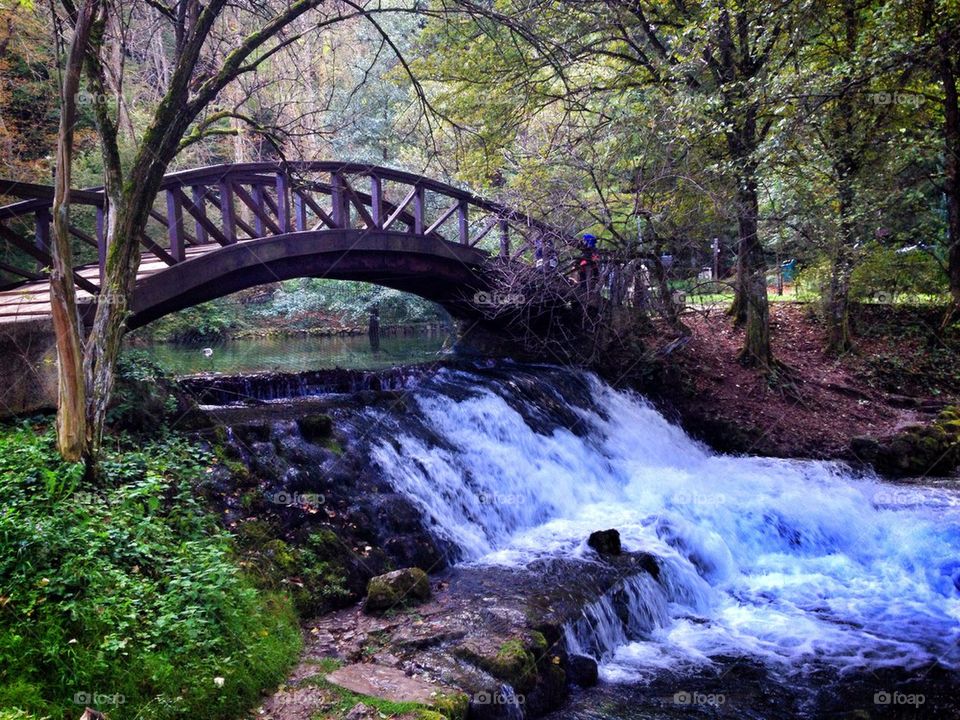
column 219, row 229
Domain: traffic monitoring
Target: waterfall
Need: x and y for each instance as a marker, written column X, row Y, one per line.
column 788, row 562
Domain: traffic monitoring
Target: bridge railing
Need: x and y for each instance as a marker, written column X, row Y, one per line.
column 227, row 204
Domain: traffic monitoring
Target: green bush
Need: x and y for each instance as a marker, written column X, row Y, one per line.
column 143, row 397
column 129, row 590
column 351, row 301
column 205, row 323
column 886, row 275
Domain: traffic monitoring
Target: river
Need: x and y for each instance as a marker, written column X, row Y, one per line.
column 814, row 573
column 300, row 353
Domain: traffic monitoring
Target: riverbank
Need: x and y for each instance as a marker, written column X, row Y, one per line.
column 899, row 375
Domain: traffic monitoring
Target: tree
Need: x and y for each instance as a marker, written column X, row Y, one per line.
column 939, row 27
column 199, row 71
column 71, row 415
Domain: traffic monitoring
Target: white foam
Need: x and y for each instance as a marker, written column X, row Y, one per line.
column 789, row 561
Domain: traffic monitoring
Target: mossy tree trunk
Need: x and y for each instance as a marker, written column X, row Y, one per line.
column 72, row 389
column 752, row 270
column 846, row 145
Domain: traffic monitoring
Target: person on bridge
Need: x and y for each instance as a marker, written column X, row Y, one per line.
column 589, row 259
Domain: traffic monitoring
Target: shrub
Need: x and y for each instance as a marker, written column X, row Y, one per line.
column 128, row 590
column 205, row 323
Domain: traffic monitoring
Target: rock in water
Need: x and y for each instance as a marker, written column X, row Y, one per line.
column 408, row 586
column 315, row 427
column 605, row 542
column 582, row 670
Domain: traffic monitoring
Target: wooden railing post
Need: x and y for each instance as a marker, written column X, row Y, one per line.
column 419, row 210
column 376, row 200
column 227, row 210
column 341, row 203
column 175, row 226
column 463, row 222
column 283, row 202
column 200, row 205
column 299, row 211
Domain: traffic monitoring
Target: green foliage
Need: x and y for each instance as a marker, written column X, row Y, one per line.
column 312, row 573
column 351, row 301
column 128, row 590
column 886, row 275
column 205, row 323
column 143, row 397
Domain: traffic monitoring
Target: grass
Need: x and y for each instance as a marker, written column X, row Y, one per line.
column 126, row 597
column 807, row 296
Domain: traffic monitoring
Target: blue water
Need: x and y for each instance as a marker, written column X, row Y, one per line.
column 790, row 563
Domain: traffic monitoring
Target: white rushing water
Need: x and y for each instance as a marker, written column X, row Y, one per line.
column 791, row 562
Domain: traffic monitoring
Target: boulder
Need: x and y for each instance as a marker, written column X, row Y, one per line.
column 605, row 542
column 315, row 427
column 394, row 685
column 396, row 589
column 917, row 450
column 582, row 670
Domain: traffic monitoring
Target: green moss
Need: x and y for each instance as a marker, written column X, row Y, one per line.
column 255, row 533
column 538, row 644
column 397, row 589
column 430, row 715
column 950, row 413
column 513, row 663
column 451, row 705
column 315, row 426
column 446, row 705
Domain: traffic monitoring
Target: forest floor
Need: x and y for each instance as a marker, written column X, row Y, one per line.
column 899, row 373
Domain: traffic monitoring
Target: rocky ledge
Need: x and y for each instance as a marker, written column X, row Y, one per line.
column 489, row 642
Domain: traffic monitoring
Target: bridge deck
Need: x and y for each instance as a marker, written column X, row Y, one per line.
column 203, row 213
column 32, row 300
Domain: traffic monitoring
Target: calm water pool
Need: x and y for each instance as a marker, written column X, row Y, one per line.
column 295, row 354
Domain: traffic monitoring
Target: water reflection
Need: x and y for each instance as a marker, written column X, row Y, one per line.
column 296, row 354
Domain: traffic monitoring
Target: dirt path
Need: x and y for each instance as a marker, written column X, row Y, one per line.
column 892, row 379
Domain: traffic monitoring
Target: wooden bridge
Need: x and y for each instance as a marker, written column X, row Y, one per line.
column 220, row 229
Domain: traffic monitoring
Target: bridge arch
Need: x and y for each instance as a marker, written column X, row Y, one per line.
column 437, row 270
column 219, row 229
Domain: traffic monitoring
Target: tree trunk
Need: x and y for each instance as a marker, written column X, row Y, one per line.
column 951, row 133
column 71, row 393
column 125, row 223
column 738, row 308
column 753, row 286
column 837, row 305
